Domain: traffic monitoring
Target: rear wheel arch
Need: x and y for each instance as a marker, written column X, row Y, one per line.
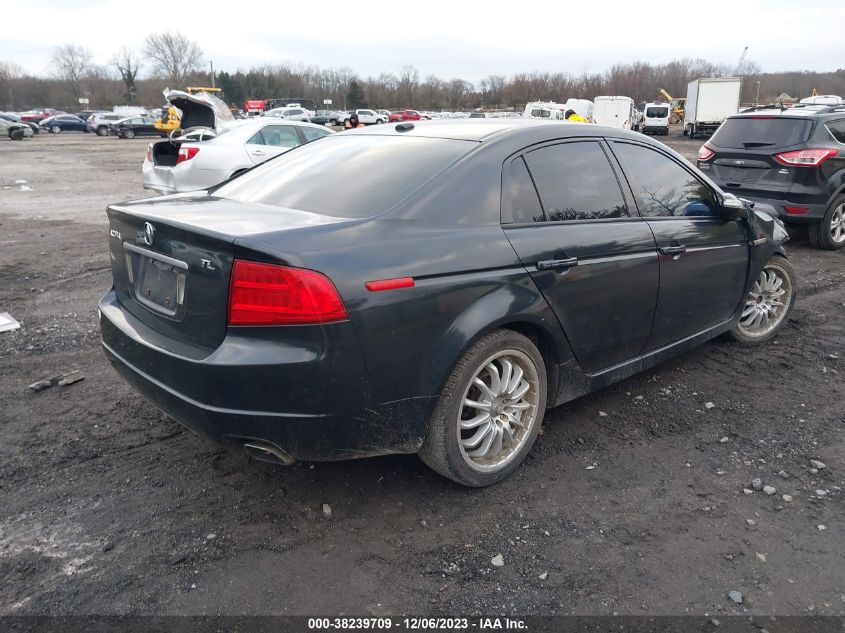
column 534, row 319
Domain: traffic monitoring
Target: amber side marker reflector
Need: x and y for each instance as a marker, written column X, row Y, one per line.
column 390, row 284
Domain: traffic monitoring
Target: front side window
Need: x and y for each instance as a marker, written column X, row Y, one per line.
column 575, row 182
column 661, row 186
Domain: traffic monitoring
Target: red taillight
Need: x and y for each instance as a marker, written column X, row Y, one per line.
column 390, row 284
column 796, row 210
column 186, row 153
column 149, row 153
column 805, row 157
column 705, row 153
column 268, row 294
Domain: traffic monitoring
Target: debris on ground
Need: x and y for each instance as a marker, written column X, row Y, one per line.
column 735, row 596
column 813, row 462
column 757, row 484
column 498, row 561
column 327, row 511
column 63, row 380
column 769, row 490
column 8, row 322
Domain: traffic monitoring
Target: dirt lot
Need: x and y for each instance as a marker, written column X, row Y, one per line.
column 109, row 507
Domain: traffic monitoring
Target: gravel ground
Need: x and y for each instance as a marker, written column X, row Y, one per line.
column 632, row 501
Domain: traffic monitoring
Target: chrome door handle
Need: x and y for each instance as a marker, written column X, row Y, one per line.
column 672, row 250
column 557, row 264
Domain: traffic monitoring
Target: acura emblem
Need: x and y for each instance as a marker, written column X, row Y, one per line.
column 149, row 233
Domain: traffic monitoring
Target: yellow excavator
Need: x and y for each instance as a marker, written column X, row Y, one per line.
column 170, row 119
column 678, row 106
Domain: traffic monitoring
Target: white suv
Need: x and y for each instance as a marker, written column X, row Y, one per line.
column 367, row 117
column 100, row 122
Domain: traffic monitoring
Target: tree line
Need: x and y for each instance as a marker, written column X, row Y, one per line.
column 172, row 60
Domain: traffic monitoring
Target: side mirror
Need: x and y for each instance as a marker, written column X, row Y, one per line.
column 732, row 208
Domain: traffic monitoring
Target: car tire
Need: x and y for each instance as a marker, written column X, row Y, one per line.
column 55, row 129
column 102, row 131
column 829, row 233
column 775, row 285
column 486, row 453
column 16, row 135
column 128, row 134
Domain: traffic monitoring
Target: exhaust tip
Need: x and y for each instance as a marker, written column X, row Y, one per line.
column 266, row 452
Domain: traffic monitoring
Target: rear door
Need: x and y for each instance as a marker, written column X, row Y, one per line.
column 703, row 259
column 272, row 140
column 595, row 263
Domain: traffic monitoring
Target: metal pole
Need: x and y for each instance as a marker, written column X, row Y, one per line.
column 212, row 74
column 757, row 98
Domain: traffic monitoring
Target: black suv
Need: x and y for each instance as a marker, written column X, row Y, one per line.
column 792, row 159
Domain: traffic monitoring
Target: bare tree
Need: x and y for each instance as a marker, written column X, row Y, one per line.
column 173, row 55
column 71, row 63
column 128, row 65
column 9, row 73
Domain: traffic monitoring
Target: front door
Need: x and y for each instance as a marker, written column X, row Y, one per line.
column 594, row 263
column 272, row 140
column 703, row 259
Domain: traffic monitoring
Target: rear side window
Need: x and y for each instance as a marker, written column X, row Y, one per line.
column 752, row 132
column 312, row 133
column 662, row 187
column 371, row 174
column 524, row 201
column 575, row 182
column 837, row 130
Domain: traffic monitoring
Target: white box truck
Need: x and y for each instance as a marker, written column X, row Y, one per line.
column 615, row 112
column 709, row 102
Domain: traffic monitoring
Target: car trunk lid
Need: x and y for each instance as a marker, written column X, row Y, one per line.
column 171, row 259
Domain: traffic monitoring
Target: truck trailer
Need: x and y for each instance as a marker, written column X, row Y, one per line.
column 709, row 102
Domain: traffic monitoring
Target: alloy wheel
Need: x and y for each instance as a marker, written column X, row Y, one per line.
column 499, row 410
column 767, row 302
column 837, row 224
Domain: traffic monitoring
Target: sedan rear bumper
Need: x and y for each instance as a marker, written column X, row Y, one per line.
column 311, row 406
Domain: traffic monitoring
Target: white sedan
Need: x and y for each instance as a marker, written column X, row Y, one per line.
column 173, row 167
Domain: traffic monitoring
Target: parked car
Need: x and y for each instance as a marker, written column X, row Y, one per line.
column 406, row 115
column 189, row 166
column 465, row 277
column 330, row 117
column 101, row 122
column 792, row 159
column 384, row 113
column 136, row 126
column 64, row 123
column 367, row 117
column 290, row 114
column 37, row 116
column 15, row 130
column 14, row 118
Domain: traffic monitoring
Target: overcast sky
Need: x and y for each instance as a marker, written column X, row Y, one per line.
column 466, row 39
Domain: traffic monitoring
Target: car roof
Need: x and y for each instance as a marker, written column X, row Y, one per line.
column 480, row 130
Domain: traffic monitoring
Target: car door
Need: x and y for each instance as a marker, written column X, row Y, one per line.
column 272, row 140
column 703, row 259
column 583, row 244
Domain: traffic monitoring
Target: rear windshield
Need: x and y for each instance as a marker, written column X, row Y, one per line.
column 657, row 113
column 346, row 175
column 751, row 132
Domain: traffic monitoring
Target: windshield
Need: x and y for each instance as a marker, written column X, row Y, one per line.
column 348, row 176
column 745, row 132
column 657, row 113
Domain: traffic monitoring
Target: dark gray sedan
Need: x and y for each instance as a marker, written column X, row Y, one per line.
column 431, row 288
